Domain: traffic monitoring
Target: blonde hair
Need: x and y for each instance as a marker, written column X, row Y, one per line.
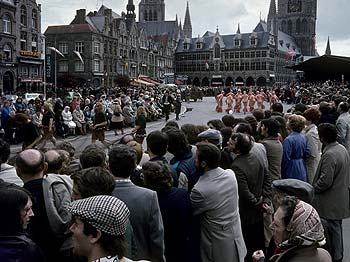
column 141, row 111
column 296, row 123
column 47, row 106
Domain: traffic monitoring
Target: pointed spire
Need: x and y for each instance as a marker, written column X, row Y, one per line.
column 187, row 23
column 180, row 25
column 177, row 22
column 217, row 29
column 272, row 10
column 239, row 29
column 328, row 49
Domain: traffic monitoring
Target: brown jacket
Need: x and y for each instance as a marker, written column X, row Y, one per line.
column 302, row 254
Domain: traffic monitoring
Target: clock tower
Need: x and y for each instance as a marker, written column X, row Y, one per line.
column 298, row 19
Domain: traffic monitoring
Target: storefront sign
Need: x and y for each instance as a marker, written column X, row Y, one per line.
column 29, row 53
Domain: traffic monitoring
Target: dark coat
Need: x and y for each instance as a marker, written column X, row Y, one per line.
column 254, row 187
column 19, row 249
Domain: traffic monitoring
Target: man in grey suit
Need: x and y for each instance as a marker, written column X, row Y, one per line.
column 331, row 183
column 215, row 200
column 145, row 216
column 343, row 125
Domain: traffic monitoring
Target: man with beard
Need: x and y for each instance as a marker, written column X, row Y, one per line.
column 215, row 200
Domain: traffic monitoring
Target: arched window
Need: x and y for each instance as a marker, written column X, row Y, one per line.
column 155, row 15
column 35, row 19
column 304, row 26
column 6, row 24
column 298, row 27
column 284, row 26
column 146, row 16
column 23, row 15
column 7, row 53
column 290, row 27
column 217, row 51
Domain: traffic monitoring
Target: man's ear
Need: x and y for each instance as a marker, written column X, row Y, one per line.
column 203, row 164
column 18, row 171
column 95, row 239
column 46, row 166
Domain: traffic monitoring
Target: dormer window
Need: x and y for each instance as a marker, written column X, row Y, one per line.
column 237, row 42
column 288, row 45
column 253, row 41
column 281, row 42
column 199, row 45
column 185, row 46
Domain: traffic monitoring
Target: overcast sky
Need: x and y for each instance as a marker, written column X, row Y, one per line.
column 333, row 16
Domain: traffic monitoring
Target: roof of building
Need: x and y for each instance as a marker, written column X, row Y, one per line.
column 97, row 21
column 102, row 10
column 263, row 38
column 68, row 29
column 261, row 27
column 159, row 27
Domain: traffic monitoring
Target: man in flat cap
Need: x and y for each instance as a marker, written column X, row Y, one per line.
column 99, row 225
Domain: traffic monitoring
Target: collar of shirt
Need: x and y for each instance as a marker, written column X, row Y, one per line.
column 107, row 259
column 122, row 180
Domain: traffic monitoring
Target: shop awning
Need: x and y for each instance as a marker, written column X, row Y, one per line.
column 149, row 80
column 137, row 82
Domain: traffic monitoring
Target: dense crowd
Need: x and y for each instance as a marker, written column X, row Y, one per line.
column 272, row 186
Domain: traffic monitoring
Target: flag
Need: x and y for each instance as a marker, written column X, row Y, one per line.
column 55, row 50
column 79, row 56
column 290, row 55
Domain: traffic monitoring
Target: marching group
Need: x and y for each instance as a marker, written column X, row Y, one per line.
column 272, row 186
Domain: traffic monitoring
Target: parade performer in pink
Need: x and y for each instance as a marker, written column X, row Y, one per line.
column 245, row 99
column 238, row 101
column 259, row 100
column 273, row 98
column 252, row 100
column 219, row 102
column 229, row 102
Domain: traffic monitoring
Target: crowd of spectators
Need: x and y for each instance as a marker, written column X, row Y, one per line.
column 272, row 186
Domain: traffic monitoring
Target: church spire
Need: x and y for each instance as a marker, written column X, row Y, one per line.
column 272, row 17
column 130, row 9
column 328, row 49
column 238, row 29
column 187, row 24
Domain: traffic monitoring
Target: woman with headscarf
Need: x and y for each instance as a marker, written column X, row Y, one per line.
column 298, row 234
column 68, row 122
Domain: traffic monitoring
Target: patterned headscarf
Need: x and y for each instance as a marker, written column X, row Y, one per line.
column 305, row 228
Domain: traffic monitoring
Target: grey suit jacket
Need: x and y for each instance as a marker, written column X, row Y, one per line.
column 343, row 128
column 274, row 152
column 215, row 199
column 314, row 142
column 145, row 219
column 331, row 183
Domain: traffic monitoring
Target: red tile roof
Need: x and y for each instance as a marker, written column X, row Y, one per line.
column 68, row 29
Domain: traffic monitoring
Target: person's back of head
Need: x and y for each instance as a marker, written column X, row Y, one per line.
column 54, row 161
column 243, row 143
column 4, row 151
column 343, row 107
column 172, row 123
column 272, row 125
column 228, row 120
column 327, row 133
column 157, row 143
column 215, row 124
column 300, row 108
column 67, row 146
column 93, row 156
column 157, row 175
column 191, row 131
column 30, row 163
column 92, row 181
column 244, row 128
column 258, row 114
column 208, row 156
column 122, row 161
column 277, row 107
column 178, row 144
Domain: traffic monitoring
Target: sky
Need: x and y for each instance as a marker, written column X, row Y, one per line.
column 333, row 16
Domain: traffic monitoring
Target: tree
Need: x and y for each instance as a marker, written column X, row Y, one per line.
column 122, row 80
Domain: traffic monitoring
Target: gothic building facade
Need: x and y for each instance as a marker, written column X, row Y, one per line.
column 261, row 57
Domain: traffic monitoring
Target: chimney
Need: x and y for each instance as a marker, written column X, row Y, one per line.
column 108, row 12
column 80, row 17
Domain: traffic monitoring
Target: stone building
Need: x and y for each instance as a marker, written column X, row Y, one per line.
column 21, row 63
column 261, row 57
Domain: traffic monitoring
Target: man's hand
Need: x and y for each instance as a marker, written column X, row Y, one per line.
column 258, row 256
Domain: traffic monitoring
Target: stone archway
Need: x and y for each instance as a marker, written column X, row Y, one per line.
column 229, row 81
column 8, row 82
column 205, row 81
column 196, row 81
column 250, row 81
column 261, row 81
column 239, row 81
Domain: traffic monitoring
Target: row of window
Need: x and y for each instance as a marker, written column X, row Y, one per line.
column 24, row 42
column 78, row 66
column 226, row 55
column 32, row 71
column 244, row 66
column 7, row 21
